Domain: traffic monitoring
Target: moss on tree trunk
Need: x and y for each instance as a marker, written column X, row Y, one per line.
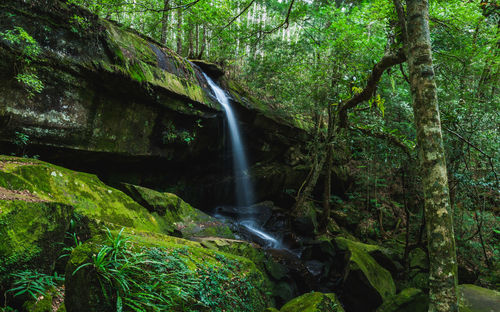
column 443, row 264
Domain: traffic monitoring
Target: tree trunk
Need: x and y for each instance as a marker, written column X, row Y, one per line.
column 325, row 218
column 441, row 241
column 164, row 23
column 179, row 31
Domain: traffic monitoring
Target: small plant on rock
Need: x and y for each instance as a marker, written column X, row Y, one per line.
column 29, row 50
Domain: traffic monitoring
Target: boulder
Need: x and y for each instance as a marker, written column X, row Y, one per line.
column 190, row 222
column 478, row 299
column 408, row 300
column 38, row 201
column 283, row 279
column 93, row 201
column 363, row 277
column 211, row 69
column 29, row 234
column 313, row 302
column 188, row 275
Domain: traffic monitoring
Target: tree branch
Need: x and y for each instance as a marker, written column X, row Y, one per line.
column 239, row 14
column 371, row 86
column 284, row 23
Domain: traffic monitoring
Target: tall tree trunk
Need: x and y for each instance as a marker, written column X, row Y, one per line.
column 179, row 31
column 325, row 218
column 164, row 22
column 190, row 40
column 441, row 241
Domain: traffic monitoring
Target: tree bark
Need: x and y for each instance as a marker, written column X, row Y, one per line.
column 441, row 241
column 164, row 22
column 327, row 192
column 179, row 31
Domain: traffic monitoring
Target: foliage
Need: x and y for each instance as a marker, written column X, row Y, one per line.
column 158, row 279
column 29, row 51
column 218, row 289
column 21, row 140
column 33, row 283
column 171, row 135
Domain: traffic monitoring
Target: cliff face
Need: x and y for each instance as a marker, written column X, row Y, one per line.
column 94, row 96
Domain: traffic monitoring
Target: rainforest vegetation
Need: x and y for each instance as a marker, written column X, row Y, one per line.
column 331, row 155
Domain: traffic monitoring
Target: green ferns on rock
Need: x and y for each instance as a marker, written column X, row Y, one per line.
column 146, row 272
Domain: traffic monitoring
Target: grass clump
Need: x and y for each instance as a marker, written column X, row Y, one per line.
column 139, row 278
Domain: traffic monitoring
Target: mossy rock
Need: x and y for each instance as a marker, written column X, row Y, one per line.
column 30, row 234
column 313, row 302
column 408, row 300
column 364, row 277
column 84, row 291
column 92, row 200
column 282, row 290
column 189, row 221
column 478, row 299
column 52, row 301
column 240, row 248
column 418, row 259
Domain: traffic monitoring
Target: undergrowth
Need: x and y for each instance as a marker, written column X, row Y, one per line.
column 159, row 279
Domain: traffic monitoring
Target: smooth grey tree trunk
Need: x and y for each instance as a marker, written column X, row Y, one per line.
column 441, row 241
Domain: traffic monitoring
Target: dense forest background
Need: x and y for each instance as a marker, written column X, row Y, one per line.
column 337, row 69
column 309, row 58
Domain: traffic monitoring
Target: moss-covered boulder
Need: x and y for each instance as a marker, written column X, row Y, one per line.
column 314, row 302
column 38, row 200
column 408, row 300
column 478, row 299
column 364, row 277
column 188, row 276
column 187, row 220
column 282, row 279
column 31, row 233
column 94, row 202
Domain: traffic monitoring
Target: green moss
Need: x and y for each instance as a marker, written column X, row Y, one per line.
column 85, row 192
column 45, row 303
column 84, row 292
column 29, row 233
column 313, row 302
column 378, row 277
column 134, row 57
column 408, row 300
column 186, row 219
column 473, row 298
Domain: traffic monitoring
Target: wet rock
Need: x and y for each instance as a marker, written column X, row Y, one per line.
column 188, row 221
column 213, row 70
column 297, row 271
column 364, row 277
column 314, row 302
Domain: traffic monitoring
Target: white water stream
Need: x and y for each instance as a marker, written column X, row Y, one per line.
column 244, row 188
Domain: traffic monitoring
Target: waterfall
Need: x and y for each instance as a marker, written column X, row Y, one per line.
column 244, row 188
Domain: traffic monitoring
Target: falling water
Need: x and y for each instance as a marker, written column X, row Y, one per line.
column 244, row 189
